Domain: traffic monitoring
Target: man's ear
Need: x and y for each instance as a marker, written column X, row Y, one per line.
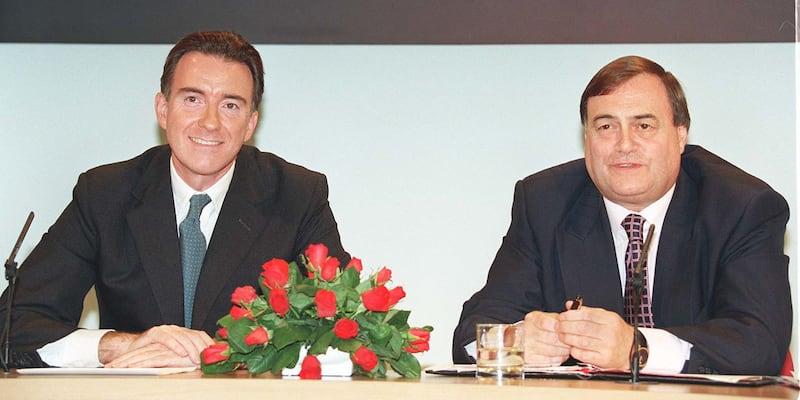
column 683, row 136
column 251, row 125
column 161, row 110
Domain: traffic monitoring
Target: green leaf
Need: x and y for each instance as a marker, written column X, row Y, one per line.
column 398, row 318
column 301, row 300
column 288, row 334
column 286, row 358
column 294, row 274
column 225, row 321
column 341, row 292
column 309, row 290
column 323, row 341
column 349, row 277
column 347, row 346
column 380, row 333
column 270, row 320
column 217, row 368
column 350, row 302
column 407, row 366
column 367, row 284
column 236, row 333
column 258, row 306
column 380, row 370
column 396, row 344
column 369, row 320
column 259, row 362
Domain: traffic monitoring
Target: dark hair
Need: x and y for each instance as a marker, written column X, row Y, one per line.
column 621, row 70
column 229, row 45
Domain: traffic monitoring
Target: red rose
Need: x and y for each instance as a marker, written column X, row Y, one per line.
column 355, row 263
column 376, row 299
column 239, row 312
column 222, row 333
column 244, row 295
column 279, row 301
column 421, row 343
column 381, row 299
column 364, row 358
column 310, row 369
column 346, row 328
column 256, row 337
column 317, row 254
column 418, row 348
column 383, row 276
column 421, row 334
column 396, row 295
column 329, row 269
column 215, row 353
column 326, row 303
column 276, row 273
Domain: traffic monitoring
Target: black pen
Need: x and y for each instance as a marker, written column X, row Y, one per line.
column 577, row 303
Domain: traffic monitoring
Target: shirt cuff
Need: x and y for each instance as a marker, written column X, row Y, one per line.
column 667, row 352
column 76, row 350
column 472, row 349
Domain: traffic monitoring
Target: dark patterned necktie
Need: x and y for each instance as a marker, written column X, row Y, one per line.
column 634, row 227
column 193, row 251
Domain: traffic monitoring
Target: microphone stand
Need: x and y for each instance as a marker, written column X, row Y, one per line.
column 637, row 282
column 11, row 277
column 634, row 354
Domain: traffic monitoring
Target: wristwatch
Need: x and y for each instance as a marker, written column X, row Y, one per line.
column 644, row 351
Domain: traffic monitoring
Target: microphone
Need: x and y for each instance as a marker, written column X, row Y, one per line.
column 637, row 282
column 11, row 277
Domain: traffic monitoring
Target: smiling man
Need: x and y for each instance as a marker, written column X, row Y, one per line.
column 167, row 236
column 716, row 295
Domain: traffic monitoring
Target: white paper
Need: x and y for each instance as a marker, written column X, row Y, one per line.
column 103, row 371
column 332, row 363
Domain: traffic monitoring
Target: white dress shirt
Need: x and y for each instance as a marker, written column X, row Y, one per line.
column 667, row 353
column 79, row 348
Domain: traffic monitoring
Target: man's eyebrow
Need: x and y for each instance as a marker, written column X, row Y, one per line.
column 603, row 116
column 645, row 116
column 235, row 97
column 190, row 89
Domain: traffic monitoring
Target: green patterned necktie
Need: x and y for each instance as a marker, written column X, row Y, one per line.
column 193, row 251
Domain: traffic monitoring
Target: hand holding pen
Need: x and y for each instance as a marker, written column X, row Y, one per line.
column 577, row 303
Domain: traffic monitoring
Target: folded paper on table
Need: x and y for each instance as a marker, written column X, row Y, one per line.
column 104, row 371
column 333, row 363
column 583, row 371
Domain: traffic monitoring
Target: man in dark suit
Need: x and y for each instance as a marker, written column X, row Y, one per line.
column 120, row 233
column 717, row 297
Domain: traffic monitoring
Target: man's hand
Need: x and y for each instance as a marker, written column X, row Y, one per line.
column 596, row 336
column 543, row 347
column 160, row 346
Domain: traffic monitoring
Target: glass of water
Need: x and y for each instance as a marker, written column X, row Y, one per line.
column 500, row 350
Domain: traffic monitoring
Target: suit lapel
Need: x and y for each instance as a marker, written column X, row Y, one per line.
column 674, row 286
column 241, row 221
column 586, row 251
column 153, row 227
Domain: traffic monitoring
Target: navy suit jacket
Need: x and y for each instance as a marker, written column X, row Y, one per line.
column 721, row 279
column 119, row 234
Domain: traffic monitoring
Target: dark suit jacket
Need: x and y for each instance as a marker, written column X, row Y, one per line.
column 119, row 233
column 721, row 279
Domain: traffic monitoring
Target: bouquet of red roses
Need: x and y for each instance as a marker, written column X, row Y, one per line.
column 328, row 308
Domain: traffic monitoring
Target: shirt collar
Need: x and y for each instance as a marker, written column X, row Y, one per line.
column 653, row 214
column 181, row 191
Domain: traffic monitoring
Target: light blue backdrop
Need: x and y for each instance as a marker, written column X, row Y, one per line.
column 421, row 144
